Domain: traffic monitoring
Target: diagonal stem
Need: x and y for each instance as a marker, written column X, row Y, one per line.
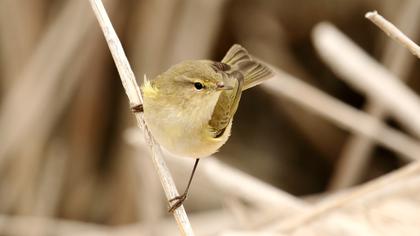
column 133, row 92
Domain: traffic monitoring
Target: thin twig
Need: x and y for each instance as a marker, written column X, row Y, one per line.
column 348, row 117
column 354, row 157
column 370, row 187
column 393, row 32
column 133, row 92
column 364, row 73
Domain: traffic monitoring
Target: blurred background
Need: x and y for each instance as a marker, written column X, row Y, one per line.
column 73, row 163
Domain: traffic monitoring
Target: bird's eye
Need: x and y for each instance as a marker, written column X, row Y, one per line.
column 198, row 85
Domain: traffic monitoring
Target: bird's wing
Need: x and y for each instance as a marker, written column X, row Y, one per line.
column 253, row 71
column 226, row 106
column 235, row 55
column 238, row 65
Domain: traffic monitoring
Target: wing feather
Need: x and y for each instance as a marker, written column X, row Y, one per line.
column 253, row 71
column 238, row 65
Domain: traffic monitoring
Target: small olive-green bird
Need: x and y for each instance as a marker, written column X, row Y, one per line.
column 189, row 108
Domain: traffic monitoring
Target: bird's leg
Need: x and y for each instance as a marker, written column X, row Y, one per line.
column 181, row 198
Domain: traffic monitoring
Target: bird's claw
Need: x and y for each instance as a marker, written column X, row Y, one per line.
column 178, row 202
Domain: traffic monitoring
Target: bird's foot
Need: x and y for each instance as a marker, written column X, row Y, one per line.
column 178, row 202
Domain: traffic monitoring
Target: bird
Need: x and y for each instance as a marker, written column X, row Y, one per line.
column 189, row 108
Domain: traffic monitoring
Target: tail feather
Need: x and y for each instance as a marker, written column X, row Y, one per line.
column 254, row 72
column 235, row 55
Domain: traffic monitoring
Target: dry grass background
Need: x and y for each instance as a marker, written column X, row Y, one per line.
column 336, row 116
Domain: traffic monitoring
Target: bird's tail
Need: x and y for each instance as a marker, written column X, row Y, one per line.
column 254, row 72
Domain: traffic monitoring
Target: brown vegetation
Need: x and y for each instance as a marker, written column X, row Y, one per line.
column 309, row 155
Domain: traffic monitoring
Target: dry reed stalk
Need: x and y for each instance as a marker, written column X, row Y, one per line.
column 22, row 181
column 226, row 187
column 150, row 207
column 24, row 173
column 393, row 32
column 251, row 218
column 58, row 226
column 397, row 58
column 46, row 199
column 348, row 117
column 380, row 185
column 397, row 189
column 290, row 87
column 50, row 185
column 236, row 183
column 87, row 119
column 358, row 69
column 199, row 21
column 206, row 223
column 238, row 210
column 151, row 32
column 245, row 233
column 156, row 19
column 134, row 96
column 20, row 25
column 258, row 27
column 205, row 194
column 390, row 209
column 210, row 222
column 40, row 79
column 345, row 116
column 354, row 158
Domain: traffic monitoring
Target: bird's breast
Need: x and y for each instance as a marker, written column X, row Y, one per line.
column 183, row 130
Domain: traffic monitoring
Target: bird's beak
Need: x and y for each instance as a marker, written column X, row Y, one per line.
column 222, row 86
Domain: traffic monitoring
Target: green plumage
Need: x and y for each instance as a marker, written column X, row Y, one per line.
column 245, row 73
column 189, row 108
